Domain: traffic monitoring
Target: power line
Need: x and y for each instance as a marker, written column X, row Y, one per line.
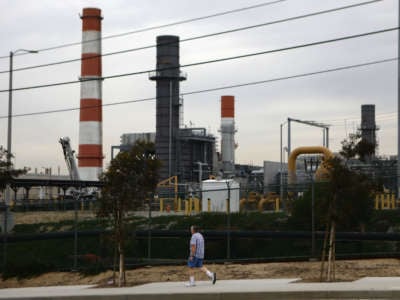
column 381, row 116
column 199, row 37
column 215, row 60
column 161, row 26
column 217, row 88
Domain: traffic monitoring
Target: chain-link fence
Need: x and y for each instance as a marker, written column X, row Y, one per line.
column 43, row 240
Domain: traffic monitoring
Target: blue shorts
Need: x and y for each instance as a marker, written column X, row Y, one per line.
column 195, row 262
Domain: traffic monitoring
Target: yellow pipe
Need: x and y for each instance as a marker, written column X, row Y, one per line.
column 261, row 204
column 304, row 150
column 161, row 204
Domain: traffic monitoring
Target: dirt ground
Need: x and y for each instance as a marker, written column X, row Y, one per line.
column 346, row 270
column 34, row 217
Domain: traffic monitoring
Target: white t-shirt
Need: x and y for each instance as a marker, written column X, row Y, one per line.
column 198, row 240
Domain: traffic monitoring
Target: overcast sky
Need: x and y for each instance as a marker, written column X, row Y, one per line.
column 333, row 98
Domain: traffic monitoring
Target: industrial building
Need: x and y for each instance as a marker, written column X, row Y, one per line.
column 188, row 153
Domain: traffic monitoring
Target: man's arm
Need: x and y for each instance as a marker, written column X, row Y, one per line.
column 192, row 250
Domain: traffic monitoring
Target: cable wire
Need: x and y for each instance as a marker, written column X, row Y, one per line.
column 198, row 37
column 214, row 60
column 214, row 89
column 161, row 26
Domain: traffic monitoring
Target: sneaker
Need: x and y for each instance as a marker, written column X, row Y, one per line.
column 214, row 277
column 190, row 284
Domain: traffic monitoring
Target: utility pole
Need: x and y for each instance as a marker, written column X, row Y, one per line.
column 228, row 242
column 398, row 104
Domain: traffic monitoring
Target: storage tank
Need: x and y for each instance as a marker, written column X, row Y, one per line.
column 218, row 192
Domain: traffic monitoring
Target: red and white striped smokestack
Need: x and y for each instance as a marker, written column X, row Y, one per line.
column 228, row 134
column 90, row 157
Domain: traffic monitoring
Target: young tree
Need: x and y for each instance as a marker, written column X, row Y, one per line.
column 7, row 172
column 130, row 178
column 348, row 199
column 356, row 147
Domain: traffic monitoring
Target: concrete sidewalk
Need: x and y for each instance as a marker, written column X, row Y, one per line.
column 366, row 288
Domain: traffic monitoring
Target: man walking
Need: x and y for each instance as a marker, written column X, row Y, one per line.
column 196, row 257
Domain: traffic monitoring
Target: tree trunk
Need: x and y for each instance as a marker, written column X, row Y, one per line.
column 331, row 251
column 115, row 263
column 122, row 278
column 334, row 253
column 322, row 277
column 121, row 248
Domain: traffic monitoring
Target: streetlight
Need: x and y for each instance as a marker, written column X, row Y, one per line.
column 8, row 192
column 282, row 162
column 311, row 166
column 10, row 90
column 9, row 129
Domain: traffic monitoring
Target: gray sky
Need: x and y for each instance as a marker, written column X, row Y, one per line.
column 334, row 98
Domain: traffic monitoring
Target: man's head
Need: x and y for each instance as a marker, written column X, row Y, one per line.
column 194, row 229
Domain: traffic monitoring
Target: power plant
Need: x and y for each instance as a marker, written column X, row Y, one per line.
column 190, row 155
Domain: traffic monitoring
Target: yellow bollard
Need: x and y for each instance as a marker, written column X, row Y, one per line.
column 277, row 204
column 392, row 202
column 386, row 200
column 161, row 204
column 377, row 202
column 197, row 205
column 179, row 204
column 186, row 207
column 383, row 204
column 209, row 205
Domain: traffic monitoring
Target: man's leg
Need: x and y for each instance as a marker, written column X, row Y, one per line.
column 191, row 265
column 191, row 276
column 211, row 275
